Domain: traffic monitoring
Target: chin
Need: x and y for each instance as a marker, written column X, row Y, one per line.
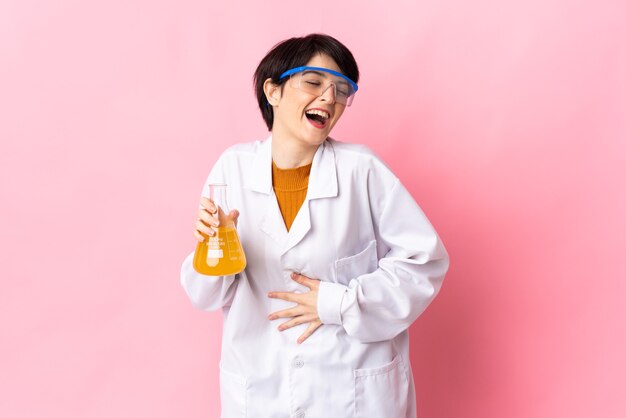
column 318, row 139
column 315, row 138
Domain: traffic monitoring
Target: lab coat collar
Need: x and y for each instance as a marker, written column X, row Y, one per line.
column 322, row 180
column 322, row 184
column 323, row 177
column 262, row 168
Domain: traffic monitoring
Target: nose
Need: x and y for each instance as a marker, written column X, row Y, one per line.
column 328, row 95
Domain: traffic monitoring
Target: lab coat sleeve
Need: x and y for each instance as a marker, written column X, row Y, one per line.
column 208, row 292
column 378, row 306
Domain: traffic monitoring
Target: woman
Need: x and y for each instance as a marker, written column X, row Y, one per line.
column 341, row 260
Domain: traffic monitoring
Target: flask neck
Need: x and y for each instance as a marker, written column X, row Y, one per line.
column 217, row 193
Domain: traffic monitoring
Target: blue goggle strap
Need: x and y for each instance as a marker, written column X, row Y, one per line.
column 326, row 70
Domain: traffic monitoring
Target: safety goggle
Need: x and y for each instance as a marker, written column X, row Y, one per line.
column 316, row 80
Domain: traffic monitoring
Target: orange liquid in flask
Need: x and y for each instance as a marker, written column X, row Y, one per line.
column 220, row 254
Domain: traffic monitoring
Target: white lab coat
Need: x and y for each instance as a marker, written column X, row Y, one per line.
column 380, row 263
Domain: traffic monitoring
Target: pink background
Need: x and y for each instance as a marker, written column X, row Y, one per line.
column 505, row 119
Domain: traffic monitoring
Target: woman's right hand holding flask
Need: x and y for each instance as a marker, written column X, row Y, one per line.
column 208, row 221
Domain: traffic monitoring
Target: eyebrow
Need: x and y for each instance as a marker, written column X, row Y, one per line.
column 323, row 74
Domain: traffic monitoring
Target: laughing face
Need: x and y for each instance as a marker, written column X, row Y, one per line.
column 301, row 116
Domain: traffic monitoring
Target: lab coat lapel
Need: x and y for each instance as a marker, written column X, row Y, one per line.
column 261, row 178
column 271, row 221
column 322, row 184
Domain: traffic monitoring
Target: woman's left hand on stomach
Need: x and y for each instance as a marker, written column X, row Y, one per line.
column 304, row 312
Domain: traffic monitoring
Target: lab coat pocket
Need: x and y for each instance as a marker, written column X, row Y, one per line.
column 381, row 391
column 232, row 394
column 351, row 267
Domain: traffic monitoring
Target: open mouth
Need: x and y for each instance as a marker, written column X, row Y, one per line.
column 317, row 117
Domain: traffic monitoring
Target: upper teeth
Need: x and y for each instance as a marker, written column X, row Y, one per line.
column 321, row 113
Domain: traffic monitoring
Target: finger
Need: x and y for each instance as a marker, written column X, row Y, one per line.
column 198, row 236
column 302, row 319
column 288, row 296
column 286, row 313
column 207, row 218
column 234, row 215
column 310, row 330
column 204, row 228
column 305, row 281
column 206, row 203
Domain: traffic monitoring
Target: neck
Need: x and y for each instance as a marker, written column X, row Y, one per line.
column 291, row 154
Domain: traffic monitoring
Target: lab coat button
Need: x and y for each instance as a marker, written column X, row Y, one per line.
column 299, row 414
column 297, row 363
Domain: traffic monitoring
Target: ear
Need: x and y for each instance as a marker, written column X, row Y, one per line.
column 272, row 92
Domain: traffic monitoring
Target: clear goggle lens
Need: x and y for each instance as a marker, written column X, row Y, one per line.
column 317, row 81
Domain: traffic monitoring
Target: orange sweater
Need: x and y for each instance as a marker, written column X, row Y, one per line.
column 290, row 186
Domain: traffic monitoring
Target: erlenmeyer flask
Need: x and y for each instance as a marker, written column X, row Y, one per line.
column 221, row 254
